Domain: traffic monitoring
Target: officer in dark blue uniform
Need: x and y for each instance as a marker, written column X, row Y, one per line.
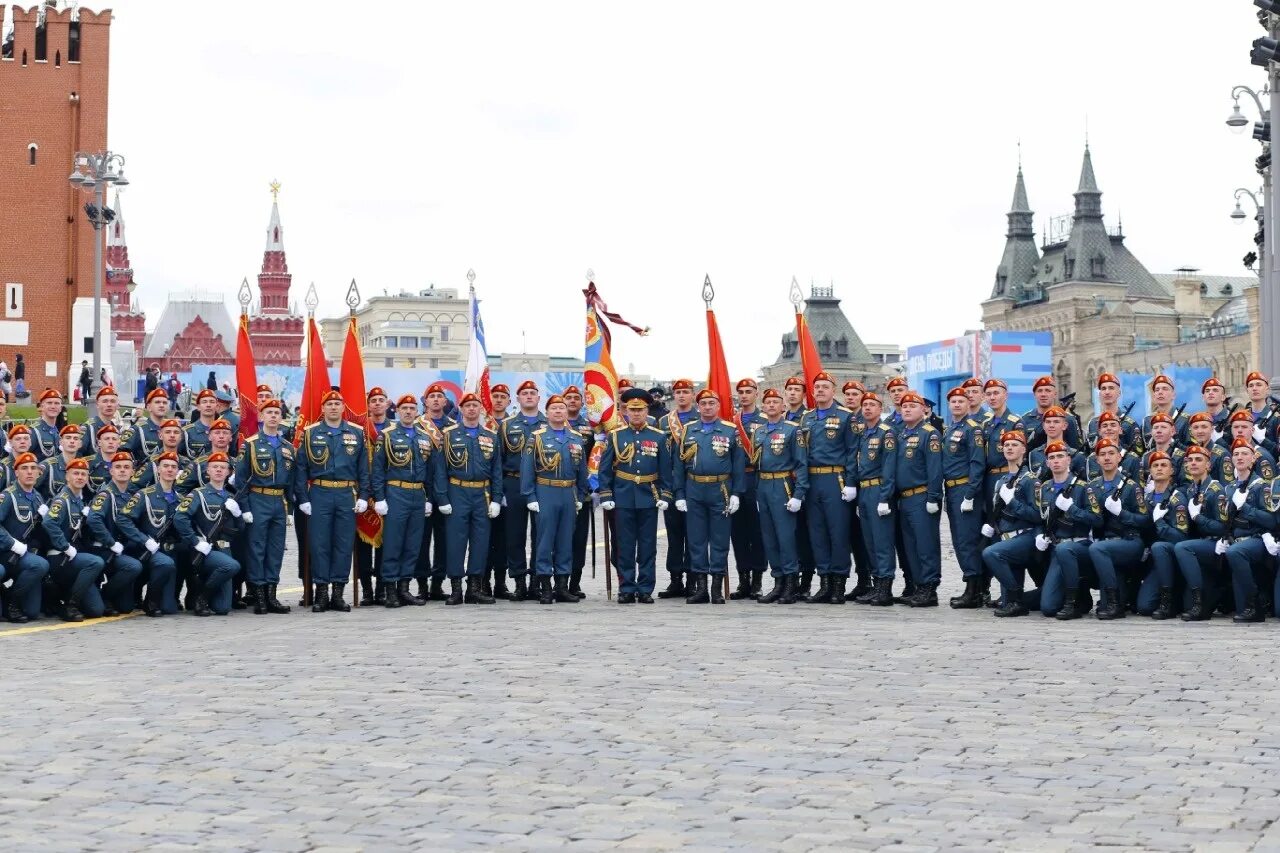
column 1053, row 427
column 225, row 411
column 108, row 403
column 195, row 435
column 1066, row 525
column 876, row 465
column 195, row 473
column 1208, row 515
column 1252, row 514
column 146, row 525
column 997, row 421
column 432, row 561
column 1046, row 393
column 107, row 444
column 370, row 555
column 500, row 396
column 206, row 520
column 142, row 439
column 54, row 477
column 919, row 480
column 45, row 434
column 468, row 488
column 579, row 423
column 1214, row 394
column 672, row 425
column 853, row 391
column 1265, row 412
column 401, row 461
column 170, row 435
column 964, row 465
column 332, row 487
column 1170, row 524
column 75, row 573
column 708, row 488
column 1161, row 437
column 1016, row 513
column 1200, row 431
column 265, row 470
column 793, row 395
column 122, row 570
column 1109, row 398
column 1162, row 394
column 1117, row 550
column 781, row 461
column 1109, row 425
column 635, row 484
column 553, row 480
column 831, row 438
column 745, row 533
column 515, row 432
column 1241, row 426
column 21, row 511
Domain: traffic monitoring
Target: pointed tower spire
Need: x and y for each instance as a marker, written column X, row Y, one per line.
column 118, row 285
column 1088, row 196
column 274, row 280
column 1018, row 264
column 1088, row 255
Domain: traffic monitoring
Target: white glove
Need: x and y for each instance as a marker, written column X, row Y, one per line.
column 19, row 548
column 663, row 505
column 1239, row 498
column 682, row 505
column 504, row 502
column 232, row 507
column 608, row 505
column 381, row 508
column 793, row 505
column 246, row 517
column 1113, row 504
column 426, row 508
column 8, row 448
column 152, row 545
column 1007, row 492
column 1259, row 434
column 734, row 504
column 1063, row 502
column 931, row 507
column 882, row 509
column 43, row 510
column 577, row 506
column 966, row 505
column 1159, row 512
column 361, row 505
column 204, row 547
column 1150, row 487
column 1042, row 542
column 1194, row 509
column 494, row 509
column 84, row 510
column 231, row 481
column 532, row 506
column 988, row 531
column 70, row 552
column 1273, row 547
column 1220, row 547
column 848, row 493
column 305, row 507
column 446, row 509
column 117, row 548
column 1217, row 435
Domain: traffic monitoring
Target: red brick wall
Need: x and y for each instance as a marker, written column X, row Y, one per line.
column 45, row 241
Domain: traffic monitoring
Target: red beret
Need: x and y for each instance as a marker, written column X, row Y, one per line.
column 1042, row 382
column 50, row 394
column 745, row 383
column 626, row 383
column 205, row 392
column 28, row 458
column 167, row 456
column 527, row 385
column 870, row 396
column 1197, row 450
column 1162, row 379
column 170, row 423
column 854, row 385
column 957, row 392
column 264, row 388
column 1211, row 382
column 795, row 381
column 1014, row 435
column 1241, row 442
column 971, row 382
column 553, row 399
column 912, row 397
column 157, row 394
column 121, row 456
column 220, row 423
column 500, row 388
column 330, row 396
column 106, row 391
column 1055, row 447
column 1108, row 416
column 823, row 376
column 682, row 385
column 1161, row 418
column 434, row 388
column 896, row 382
column 1242, row 415
column 471, row 398
column 375, row 391
column 69, row 429
column 572, row 389
column 19, row 429
column 707, row 394
column 218, row 456
column 1104, row 443
column 407, row 400
column 1158, row 456
column 79, row 464
column 995, row 383
column 1201, row 417
column 108, row 429
column 1256, row 375
column 1103, row 378
column 273, row 403
column 1054, row 412
column 771, row 394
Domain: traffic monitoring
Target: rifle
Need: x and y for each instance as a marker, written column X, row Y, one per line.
column 997, row 503
column 1052, row 514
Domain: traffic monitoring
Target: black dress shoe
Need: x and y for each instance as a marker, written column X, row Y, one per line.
column 644, row 598
column 970, row 599
column 575, row 584
column 626, row 598
column 108, row 610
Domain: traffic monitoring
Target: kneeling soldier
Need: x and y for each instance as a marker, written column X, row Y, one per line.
column 21, row 509
column 75, row 573
column 122, row 570
column 206, row 521
column 1117, row 547
column 1170, row 524
column 1208, row 521
column 1251, row 515
column 1016, row 513
column 147, row 525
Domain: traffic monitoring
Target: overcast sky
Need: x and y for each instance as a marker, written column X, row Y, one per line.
column 873, row 145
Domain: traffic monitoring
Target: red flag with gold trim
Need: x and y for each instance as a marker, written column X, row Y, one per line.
column 351, row 381
column 246, row 381
column 810, row 364
column 315, row 381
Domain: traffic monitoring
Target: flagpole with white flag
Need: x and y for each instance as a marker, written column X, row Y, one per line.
column 476, row 380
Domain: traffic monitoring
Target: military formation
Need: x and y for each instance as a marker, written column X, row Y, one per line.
column 1170, row 516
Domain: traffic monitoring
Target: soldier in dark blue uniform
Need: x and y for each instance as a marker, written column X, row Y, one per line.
column 468, row 488
column 170, row 436
column 514, row 433
column 143, row 438
column 195, row 435
column 146, row 525
column 107, row 444
column 1214, row 394
column 1117, row 550
column 108, row 403
column 996, row 422
column 745, row 533
column 265, row 470
column 21, row 511
column 1161, row 437
column 1046, row 394
column 75, row 573
column 54, row 476
column 635, row 485
column 708, row 488
column 781, row 461
column 225, row 412
column 553, row 480
column 1109, row 425
column 45, row 434
column 1240, row 426
column 1162, row 393
column 371, row 555
column 579, row 423
column 876, row 464
column 1066, row 522
column 1016, row 515
column 203, row 523
column 831, row 438
column 332, row 487
column 1265, row 412
column 401, row 462
column 1109, row 398
column 122, row 570
column 793, row 393
column 432, row 561
column 853, row 392
column 1209, row 520
column 195, row 474
column 500, row 396
column 1170, row 524
column 1053, row 427
column 672, row 425
column 1252, row 514
column 964, row 465
column 919, row 479
column 977, row 402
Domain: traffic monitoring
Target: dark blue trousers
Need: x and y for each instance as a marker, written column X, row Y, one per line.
column 1249, row 562
column 1008, row 561
column 828, row 517
column 877, row 531
column 332, row 533
column 1068, row 566
column 777, row 527
column 266, row 539
column 402, row 532
column 922, row 538
column 636, row 532
column 467, row 531
column 557, row 513
column 215, row 573
column 966, row 534
column 708, row 528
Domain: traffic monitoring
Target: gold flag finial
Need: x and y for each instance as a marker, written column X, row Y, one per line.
column 275, row 190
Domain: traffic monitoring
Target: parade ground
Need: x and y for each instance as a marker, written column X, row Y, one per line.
column 664, row 727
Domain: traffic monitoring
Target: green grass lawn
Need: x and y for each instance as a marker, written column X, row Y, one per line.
column 16, row 413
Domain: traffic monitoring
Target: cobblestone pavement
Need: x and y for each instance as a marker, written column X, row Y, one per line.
column 594, row 726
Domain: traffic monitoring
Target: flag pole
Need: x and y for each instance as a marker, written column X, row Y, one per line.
column 300, row 519
column 708, row 296
column 353, row 302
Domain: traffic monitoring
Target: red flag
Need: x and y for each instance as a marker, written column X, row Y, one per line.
column 315, row 381
column 351, row 381
column 246, row 381
column 718, row 377
column 809, row 363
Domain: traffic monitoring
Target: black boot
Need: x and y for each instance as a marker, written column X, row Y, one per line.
column 274, row 604
column 1251, row 612
column 535, row 585
column 575, row 584
column 367, row 597
column 1012, row 606
column 804, row 585
column 1164, row 608
column 1197, row 612
column 715, row 588
column 744, row 586
column 406, row 597
column 500, row 590
column 698, row 593
column 521, row 592
column 13, row 612
column 675, row 589
column 882, row 595
column 862, row 588
column 1070, row 604
column 908, row 592
column 542, row 588
column 237, row 597
column 201, row 605
column 823, row 595
column 437, row 590
column 837, row 589
column 258, row 598
column 926, row 596
column 971, row 598
column 562, row 593
column 380, row 591
column 424, row 589
column 475, row 592
column 865, row 598
column 455, row 592
column 391, row 599
column 779, row 587
column 1114, row 607
column 757, row 581
column 71, row 613
column 320, row 598
column 338, row 598
column 790, row 587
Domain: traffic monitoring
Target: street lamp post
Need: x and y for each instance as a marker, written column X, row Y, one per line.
column 94, row 173
column 1260, row 215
